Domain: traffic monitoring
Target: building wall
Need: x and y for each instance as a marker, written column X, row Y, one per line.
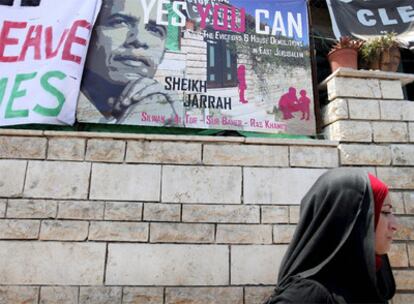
column 127, row 218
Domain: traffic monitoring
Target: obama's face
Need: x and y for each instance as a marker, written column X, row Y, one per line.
column 123, row 47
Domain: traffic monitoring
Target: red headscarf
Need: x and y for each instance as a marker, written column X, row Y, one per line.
column 380, row 191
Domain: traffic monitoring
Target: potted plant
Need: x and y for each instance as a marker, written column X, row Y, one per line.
column 382, row 53
column 345, row 53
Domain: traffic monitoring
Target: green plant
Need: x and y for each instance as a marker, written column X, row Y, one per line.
column 372, row 49
column 347, row 42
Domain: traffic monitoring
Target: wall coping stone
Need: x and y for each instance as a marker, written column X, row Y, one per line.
column 368, row 74
column 172, row 137
column 20, row 132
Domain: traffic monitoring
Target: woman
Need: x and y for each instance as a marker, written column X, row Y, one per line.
column 338, row 251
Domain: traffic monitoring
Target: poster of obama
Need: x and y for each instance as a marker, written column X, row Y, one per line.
column 220, row 64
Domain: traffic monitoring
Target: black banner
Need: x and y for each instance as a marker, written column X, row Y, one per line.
column 366, row 19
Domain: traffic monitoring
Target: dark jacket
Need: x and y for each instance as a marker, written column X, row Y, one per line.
column 331, row 258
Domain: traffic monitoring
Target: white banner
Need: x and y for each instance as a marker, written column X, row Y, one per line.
column 43, row 45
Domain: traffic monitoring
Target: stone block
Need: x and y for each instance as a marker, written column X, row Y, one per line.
column 402, row 155
column 118, row 231
column 404, row 279
column 11, row 185
column 397, row 110
column 57, row 180
column 368, row 155
column 391, row 89
column 282, row 234
column 313, row 157
column 40, row 263
column 162, row 264
column 405, row 229
column 365, row 109
column 100, row 295
column 349, row 131
column 109, row 182
column 19, row 229
column 397, row 199
column 254, row 295
column 82, row 210
column 143, row 295
column 181, row 233
column 163, row 152
column 353, row 87
column 244, row 234
column 392, row 109
column 19, row 294
column 105, row 150
column 209, row 185
column 246, row 155
column 256, row 264
column 398, row 255
column 64, row 230
column 3, row 204
column 221, row 214
column 196, row 50
column 66, row 148
column 408, row 108
column 335, row 110
column 119, row 211
column 59, row 295
column 275, row 214
column 411, row 254
column 397, row 178
column 284, row 186
column 294, row 214
column 386, row 131
column 409, row 202
column 162, row 212
column 204, row 295
column 411, row 131
column 22, row 147
column 21, row 208
column 403, row 298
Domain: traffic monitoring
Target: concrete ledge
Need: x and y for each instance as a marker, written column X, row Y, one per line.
column 169, row 137
column 370, row 74
column 20, row 132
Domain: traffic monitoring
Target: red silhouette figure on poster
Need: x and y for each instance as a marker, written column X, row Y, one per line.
column 304, row 105
column 289, row 103
column 241, row 77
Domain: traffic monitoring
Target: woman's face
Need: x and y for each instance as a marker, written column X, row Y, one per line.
column 386, row 227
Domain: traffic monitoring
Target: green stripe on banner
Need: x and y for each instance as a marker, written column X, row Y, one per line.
column 173, row 32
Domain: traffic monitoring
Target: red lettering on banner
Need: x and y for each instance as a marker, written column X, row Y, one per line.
column 216, row 18
column 50, row 53
column 72, row 38
column 6, row 40
column 203, row 14
column 33, row 42
column 221, row 12
column 34, row 36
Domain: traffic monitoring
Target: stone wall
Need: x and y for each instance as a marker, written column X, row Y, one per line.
column 94, row 218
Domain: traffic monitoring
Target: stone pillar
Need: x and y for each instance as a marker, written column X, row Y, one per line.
column 374, row 125
column 367, row 107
